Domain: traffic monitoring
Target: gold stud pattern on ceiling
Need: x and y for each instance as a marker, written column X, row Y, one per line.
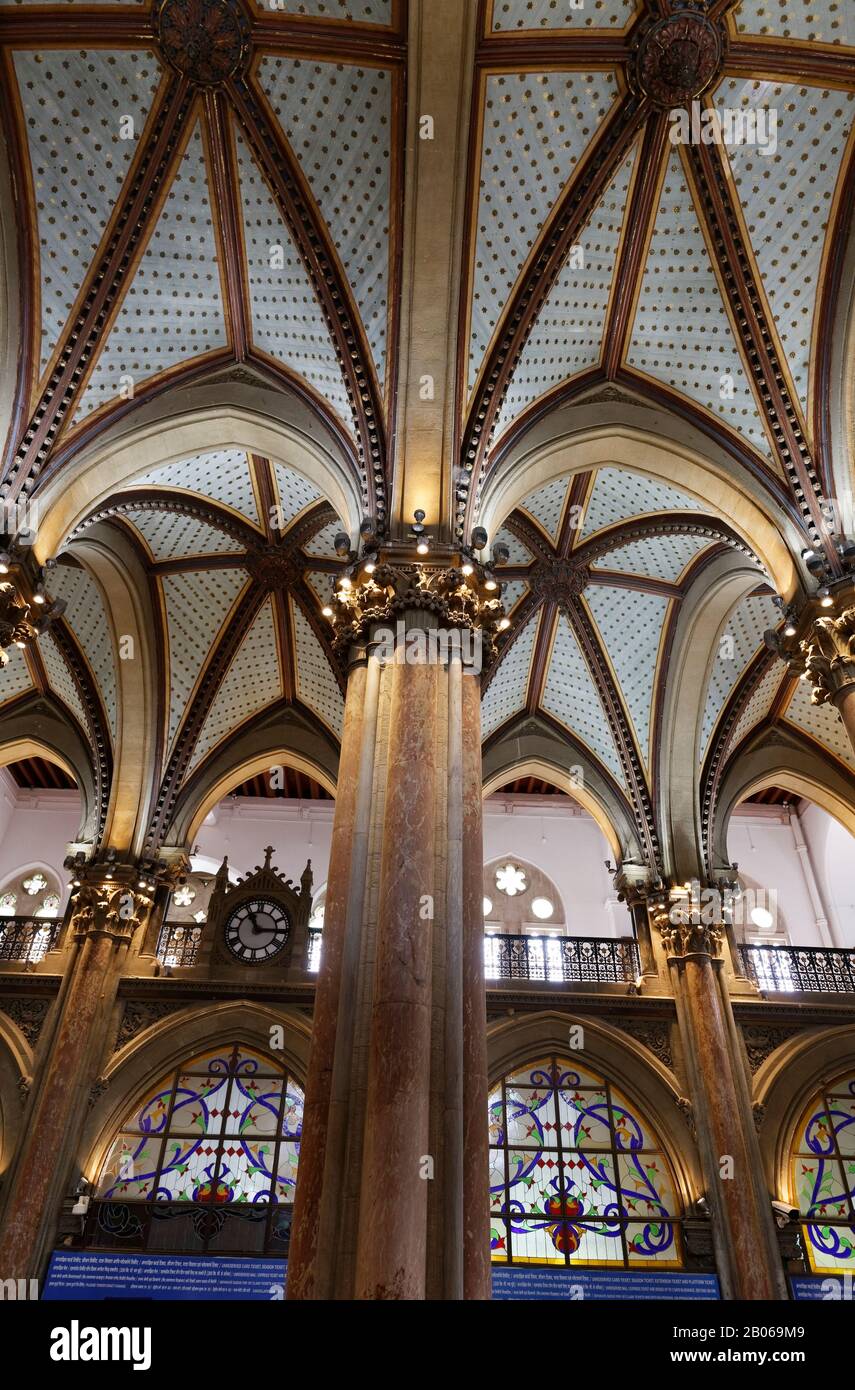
column 571, row 697
column 682, row 334
column 74, row 103
column 170, row 536
column 561, row 14
column 512, row 593
column 819, row 21
column 322, row 545
column 518, row 554
column 294, row 494
column 223, row 475
column 568, row 332
column 787, row 198
column 536, row 128
column 619, row 494
column 197, row 608
column 173, row 310
column 317, row 687
column 287, row 320
column 759, row 704
column 86, row 615
column 14, row 678
column 630, row 624
column 506, row 693
column 337, row 121
column 61, row 680
column 739, row 640
column 546, row 505
column 822, row 722
column 252, row 681
column 659, row 557
column 357, row 11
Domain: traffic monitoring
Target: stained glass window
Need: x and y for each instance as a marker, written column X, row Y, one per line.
column 823, row 1173
column 577, row 1176
column 225, row 1128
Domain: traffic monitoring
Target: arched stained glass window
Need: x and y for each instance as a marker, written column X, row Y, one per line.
column 224, row 1129
column 577, row 1175
column 823, row 1171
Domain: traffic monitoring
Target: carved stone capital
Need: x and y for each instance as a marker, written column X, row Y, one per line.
column 827, row 656
column 113, row 898
column 398, row 591
column 685, row 927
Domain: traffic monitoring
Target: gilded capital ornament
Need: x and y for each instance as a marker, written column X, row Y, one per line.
column 828, row 655
column 458, row 601
column 113, row 898
column 686, row 926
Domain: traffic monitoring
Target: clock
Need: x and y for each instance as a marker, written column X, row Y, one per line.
column 257, row 931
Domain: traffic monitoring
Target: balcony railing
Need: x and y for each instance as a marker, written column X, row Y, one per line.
column 28, row 938
column 561, row 959
column 189, row 1228
column 178, row 945
column 797, row 969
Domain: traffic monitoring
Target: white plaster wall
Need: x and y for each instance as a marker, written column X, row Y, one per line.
column 832, row 851
column 242, row 826
column 36, row 828
column 761, row 840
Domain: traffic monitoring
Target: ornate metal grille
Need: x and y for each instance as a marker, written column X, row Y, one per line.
column 260, row 1228
column 795, row 969
column 573, row 959
column 27, row 938
column 178, row 945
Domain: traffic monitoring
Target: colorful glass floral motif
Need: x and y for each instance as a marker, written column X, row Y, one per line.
column 183, row 896
column 8, row 903
column 49, row 907
column 823, row 1173
column 34, row 884
column 576, row 1177
column 225, row 1129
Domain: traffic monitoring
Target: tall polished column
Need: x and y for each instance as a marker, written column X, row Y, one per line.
column 108, row 911
column 740, row 1204
column 392, row 1197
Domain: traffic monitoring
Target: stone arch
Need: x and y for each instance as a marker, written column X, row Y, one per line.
column 283, row 738
column 625, row 1061
column 559, row 446
column 38, row 729
column 535, row 751
column 785, row 761
column 166, row 1043
column 783, row 1087
column 256, row 419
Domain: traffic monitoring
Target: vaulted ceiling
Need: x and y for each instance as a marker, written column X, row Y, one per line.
column 261, row 226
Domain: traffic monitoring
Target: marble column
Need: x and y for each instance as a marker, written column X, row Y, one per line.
column 747, row 1255
column 106, row 915
column 391, row 1198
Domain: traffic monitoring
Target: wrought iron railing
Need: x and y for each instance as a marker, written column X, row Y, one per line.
column 313, row 952
column 796, row 969
column 570, row 959
column 28, row 938
column 178, row 945
column 237, row 1228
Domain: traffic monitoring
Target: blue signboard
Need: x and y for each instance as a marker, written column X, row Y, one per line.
column 827, row 1287
column 99, row 1274
column 536, row 1283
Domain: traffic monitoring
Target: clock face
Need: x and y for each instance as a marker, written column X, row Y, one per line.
column 257, row 931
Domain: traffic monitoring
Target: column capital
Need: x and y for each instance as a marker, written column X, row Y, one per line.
column 112, row 897
column 690, row 920
column 819, row 645
column 400, row 593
